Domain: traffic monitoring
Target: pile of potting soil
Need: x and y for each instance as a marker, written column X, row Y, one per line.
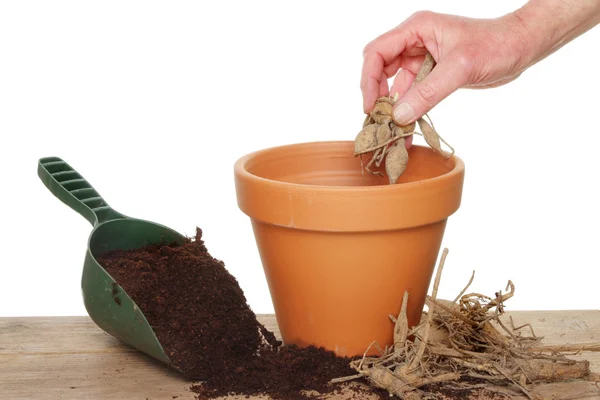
column 200, row 316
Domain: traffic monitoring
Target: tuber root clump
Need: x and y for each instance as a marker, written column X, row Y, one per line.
column 381, row 138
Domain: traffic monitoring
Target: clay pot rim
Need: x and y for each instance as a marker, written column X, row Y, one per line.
column 242, row 173
column 333, row 208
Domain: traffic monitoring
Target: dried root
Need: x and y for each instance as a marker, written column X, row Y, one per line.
column 432, row 138
column 384, row 140
column 464, row 338
column 396, row 161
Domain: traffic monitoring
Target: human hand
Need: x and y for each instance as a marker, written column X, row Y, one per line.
column 472, row 53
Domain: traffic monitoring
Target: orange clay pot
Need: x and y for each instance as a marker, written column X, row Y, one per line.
column 338, row 248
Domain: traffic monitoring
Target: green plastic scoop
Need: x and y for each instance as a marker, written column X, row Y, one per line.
column 106, row 302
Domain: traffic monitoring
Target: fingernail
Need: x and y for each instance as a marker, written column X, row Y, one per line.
column 403, row 113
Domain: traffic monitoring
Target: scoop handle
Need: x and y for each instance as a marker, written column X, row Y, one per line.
column 73, row 190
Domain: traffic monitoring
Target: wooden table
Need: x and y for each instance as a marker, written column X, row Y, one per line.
column 71, row 358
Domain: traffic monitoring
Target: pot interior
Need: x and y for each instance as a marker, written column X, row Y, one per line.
column 334, row 164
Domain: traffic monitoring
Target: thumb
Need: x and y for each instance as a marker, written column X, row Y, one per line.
column 422, row 96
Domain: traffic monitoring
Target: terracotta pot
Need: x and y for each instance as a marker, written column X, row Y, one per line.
column 339, row 248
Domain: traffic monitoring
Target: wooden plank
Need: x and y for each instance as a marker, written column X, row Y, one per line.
column 70, row 358
column 41, row 335
column 563, row 328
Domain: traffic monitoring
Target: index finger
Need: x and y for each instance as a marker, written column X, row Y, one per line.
column 378, row 54
column 371, row 80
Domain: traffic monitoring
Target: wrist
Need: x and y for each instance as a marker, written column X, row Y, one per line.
column 548, row 25
column 523, row 41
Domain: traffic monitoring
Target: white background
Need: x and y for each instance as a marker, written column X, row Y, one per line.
column 154, row 101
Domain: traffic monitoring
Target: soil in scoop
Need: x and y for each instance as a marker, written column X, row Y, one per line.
column 200, row 316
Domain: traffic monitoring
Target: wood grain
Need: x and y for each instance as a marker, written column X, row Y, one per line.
column 71, row 358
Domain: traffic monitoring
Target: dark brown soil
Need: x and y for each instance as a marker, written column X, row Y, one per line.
column 200, row 316
column 196, row 308
column 282, row 373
